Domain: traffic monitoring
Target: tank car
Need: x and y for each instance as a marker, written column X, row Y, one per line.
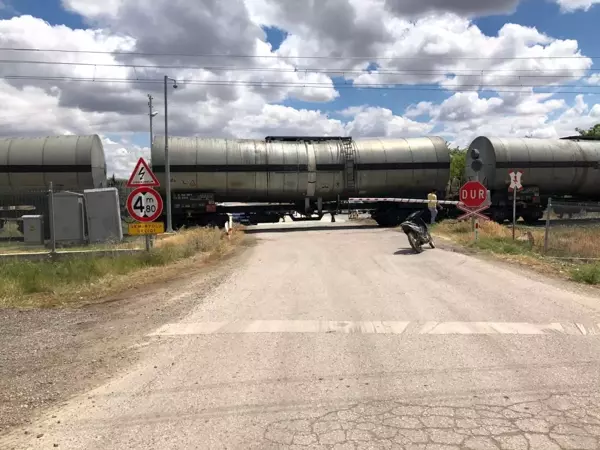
column 309, row 171
column 28, row 165
column 557, row 168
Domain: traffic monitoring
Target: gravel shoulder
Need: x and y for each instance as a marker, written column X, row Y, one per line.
column 49, row 355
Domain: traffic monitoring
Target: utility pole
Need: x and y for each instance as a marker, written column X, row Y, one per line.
column 151, row 114
column 167, row 162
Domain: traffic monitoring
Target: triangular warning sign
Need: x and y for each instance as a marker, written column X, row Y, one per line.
column 142, row 176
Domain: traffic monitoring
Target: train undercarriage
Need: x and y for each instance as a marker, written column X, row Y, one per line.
column 204, row 211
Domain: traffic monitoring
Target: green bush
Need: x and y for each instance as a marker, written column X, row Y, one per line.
column 587, row 273
column 501, row 245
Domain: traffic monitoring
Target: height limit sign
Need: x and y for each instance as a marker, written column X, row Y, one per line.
column 144, row 204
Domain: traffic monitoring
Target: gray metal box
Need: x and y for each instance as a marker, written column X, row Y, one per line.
column 33, row 229
column 103, row 214
column 69, row 218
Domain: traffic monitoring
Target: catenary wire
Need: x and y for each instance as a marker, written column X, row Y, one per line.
column 264, row 84
column 459, row 72
column 313, row 57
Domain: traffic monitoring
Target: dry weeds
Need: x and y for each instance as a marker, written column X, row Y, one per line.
column 572, row 250
column 82, row 279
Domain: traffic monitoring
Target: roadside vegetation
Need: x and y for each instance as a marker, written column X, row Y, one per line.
column 82, row 279
column 573, row 251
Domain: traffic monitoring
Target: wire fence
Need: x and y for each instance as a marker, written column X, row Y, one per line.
column 572, row 230
column 39, row 220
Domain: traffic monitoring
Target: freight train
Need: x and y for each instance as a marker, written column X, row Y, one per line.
column 29, row 165
column 566, row 169
column 308, row 176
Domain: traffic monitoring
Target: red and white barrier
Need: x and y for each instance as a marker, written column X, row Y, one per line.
column 399, row 200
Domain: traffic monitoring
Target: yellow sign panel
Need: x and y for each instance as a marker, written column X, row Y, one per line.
column 139, row 228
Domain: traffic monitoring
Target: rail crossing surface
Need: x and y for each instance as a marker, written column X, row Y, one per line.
column 344, row 339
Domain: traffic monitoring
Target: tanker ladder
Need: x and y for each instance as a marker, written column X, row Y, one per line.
column 348, row 152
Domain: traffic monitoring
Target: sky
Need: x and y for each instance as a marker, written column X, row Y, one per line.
column 252, row 68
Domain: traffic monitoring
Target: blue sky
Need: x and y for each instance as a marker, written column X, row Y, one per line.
column 49, row 10
column 543, row 14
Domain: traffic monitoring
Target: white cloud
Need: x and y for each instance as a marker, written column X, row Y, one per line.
column 121, row 156
column 436, row 46
column 465, row 116
column 283, row 120
column 594, row 79
column 381, row 122
column 569, row 6
column 94, row 9
column 453, row 52
column 465, row 7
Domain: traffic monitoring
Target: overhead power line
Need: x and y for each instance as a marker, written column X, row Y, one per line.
column 459, row 72
column 475, row 87
column 313, row 57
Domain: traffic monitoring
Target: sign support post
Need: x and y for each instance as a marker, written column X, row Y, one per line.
column 474, row 222
column 476, row 166
column 547, row 228
column 473, row 200
column 514, row 213
column 144, row 204
column 515, row 185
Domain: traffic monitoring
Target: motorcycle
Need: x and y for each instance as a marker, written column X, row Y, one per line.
column 417, row 231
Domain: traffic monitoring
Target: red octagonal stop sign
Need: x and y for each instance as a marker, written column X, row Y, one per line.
column 473, row 194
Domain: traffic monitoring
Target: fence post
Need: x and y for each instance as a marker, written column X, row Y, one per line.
column 547, row 230
column 52, row 233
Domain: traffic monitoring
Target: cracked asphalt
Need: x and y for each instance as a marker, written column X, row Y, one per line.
column 342, row 339
column 544, row 422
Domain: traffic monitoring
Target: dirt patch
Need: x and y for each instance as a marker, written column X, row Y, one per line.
column 571, row 253
column 554, row 273
column 49, row 355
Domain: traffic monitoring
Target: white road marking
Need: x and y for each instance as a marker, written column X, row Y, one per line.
column 375, row 327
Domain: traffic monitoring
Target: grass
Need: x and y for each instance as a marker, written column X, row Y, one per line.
column 587, row 273
column 83, row 278
column 571, row 249
column 9, row 246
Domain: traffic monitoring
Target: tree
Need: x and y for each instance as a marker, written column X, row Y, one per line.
column 592, row 131
column 458, row 161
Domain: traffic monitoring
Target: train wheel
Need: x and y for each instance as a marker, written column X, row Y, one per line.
column 390, row 219
column 498, row 216
column 382, row 221
column 532, row 218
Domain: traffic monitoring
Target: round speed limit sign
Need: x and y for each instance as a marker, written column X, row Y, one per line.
column 144, row 204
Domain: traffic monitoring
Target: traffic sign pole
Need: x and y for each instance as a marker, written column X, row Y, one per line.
column 144, row 204
column 473, row 197
column 474, row 222
column 514, row 213
column 515, row 185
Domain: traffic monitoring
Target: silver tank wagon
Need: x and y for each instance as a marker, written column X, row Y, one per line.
column 69, row 162
column 555, row 166
column 296, row 168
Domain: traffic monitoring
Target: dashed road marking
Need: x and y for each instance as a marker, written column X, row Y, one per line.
column 377, row 327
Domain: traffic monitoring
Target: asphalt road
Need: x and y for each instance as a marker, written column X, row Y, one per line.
column 343, row 339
